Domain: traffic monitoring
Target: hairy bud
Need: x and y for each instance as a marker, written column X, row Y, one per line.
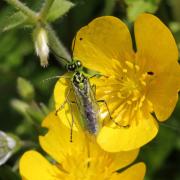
column 7, row 146
column 41, row 45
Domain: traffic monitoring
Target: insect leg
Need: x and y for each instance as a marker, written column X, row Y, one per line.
column 69, row 102
column 94, row 88
column 72, row 115
column 97, row 75
column 64, row 103
column 103, row 101
column 110, row 117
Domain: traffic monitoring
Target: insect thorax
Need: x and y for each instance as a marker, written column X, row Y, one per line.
column 80, row 82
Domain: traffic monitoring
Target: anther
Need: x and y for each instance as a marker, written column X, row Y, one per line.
column 129, row 64
column 124, row 70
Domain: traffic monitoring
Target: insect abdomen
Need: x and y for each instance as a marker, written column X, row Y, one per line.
column 91, row 116
column 87, row 107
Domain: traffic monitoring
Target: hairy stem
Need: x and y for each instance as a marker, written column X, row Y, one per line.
column 109, row 7
column 56, row 45
column 39, row 18
column 23, row 8
column 45, row 8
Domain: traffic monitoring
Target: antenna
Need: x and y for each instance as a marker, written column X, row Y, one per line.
column 59, row 57
column 64, row 59
column 74, row 44
column 74, row 41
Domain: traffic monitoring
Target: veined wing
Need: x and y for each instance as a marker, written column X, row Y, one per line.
column 87, row 106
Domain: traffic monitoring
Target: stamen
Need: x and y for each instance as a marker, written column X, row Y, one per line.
column 129, row 64
column 129, row 102
column 137, row 67
column 143, row 83
column 141, row 101
column 124, row 70
column 130, row 88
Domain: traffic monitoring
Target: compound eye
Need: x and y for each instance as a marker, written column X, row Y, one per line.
column 78, row 63
column 71, row 67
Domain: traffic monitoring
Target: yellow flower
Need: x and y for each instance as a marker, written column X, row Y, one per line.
column 134, row 84
column 81, row 159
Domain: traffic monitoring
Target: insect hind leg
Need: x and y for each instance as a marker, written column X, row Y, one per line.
column 110, row 117
column 72, row 115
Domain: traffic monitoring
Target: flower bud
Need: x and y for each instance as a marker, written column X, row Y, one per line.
column 19, row 105
column 25, row 89
column 41, row 45
column 7, row 146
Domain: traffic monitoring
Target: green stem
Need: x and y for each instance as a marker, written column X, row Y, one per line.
column 54, row 42
column 45, row 8
column 22, row 7
column 109, row 7
column 56, row 45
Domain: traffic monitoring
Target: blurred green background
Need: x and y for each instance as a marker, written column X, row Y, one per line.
column 18, row 59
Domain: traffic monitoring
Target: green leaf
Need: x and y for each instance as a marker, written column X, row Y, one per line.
column 13, row 21
column 175, row 28
column 12, row 52
column 136, row 7
column 58, row 9
column 156, row 152
column 7, row 173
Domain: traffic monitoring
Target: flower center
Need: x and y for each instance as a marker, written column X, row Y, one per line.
column 129, row 88
column 87, row 167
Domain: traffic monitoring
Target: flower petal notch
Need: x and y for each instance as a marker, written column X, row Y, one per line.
column 134, row 83
column 80, row 159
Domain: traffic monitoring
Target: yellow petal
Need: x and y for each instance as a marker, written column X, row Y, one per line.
column 57, row 141
column 157, row 52
column 135, row 172
column 164, row 94
column 125, row 139
column 102, row 41
column 122, row 159
column 33, row 166
column 155, row 43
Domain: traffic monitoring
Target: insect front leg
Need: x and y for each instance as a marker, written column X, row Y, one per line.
column 98, row 75
column 64, row 103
